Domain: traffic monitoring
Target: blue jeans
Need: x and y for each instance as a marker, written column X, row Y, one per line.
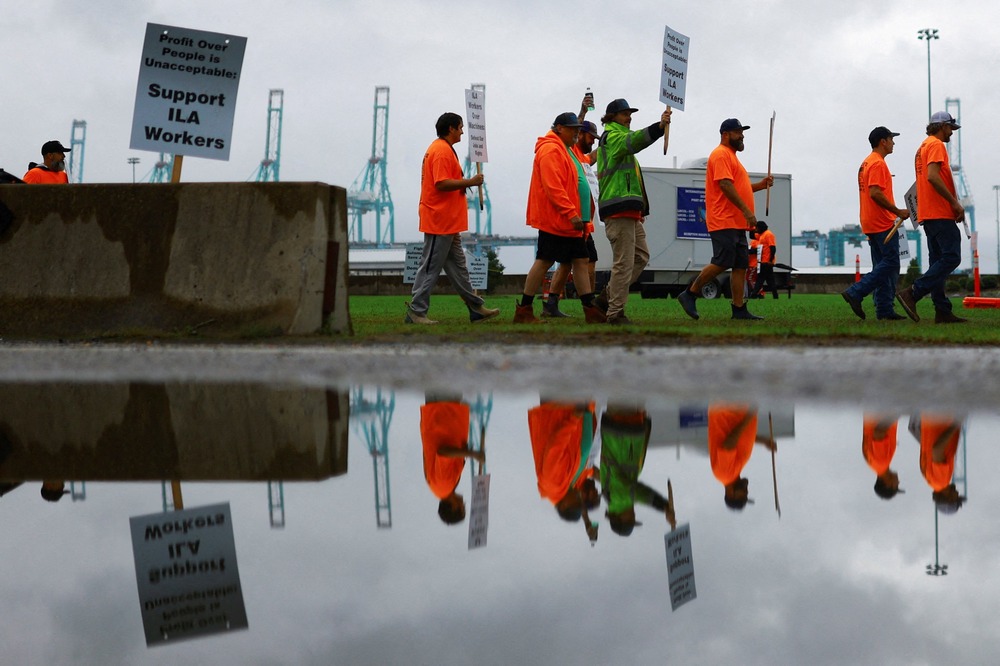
column 944, row 250
column 881, row 280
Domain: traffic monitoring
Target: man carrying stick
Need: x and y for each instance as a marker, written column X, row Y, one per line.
column 878, row 219
column 939, row 213
column 730, row 214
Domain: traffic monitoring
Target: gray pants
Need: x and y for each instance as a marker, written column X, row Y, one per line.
column 442, row 252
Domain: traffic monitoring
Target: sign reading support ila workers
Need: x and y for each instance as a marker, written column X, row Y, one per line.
column 673, row 77
column 186, row 97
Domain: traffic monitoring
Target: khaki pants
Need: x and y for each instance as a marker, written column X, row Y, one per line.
column 630, row 256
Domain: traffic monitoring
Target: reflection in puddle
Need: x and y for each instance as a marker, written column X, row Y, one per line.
column 501, row 512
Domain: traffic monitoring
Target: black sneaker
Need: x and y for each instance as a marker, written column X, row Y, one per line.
column 854, row 303
column 687, row 299
column 742, row 313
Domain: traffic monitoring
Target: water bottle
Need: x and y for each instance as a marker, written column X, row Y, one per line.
column 589, row 97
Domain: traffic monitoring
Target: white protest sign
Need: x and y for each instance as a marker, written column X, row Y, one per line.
column 475, row 124
column 478, row 270
column 680, row 566
column 673, row 77
column 186, row 572
column 904, row 249
column 414, row 253
column 479, row 515
column 911, row 205
column 186, row 96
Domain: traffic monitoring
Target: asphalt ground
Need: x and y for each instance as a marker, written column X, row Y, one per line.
column 956, row 379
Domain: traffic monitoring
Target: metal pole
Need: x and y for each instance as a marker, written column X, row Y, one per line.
column 133, row 161
column 996, row 189
column 928, row 34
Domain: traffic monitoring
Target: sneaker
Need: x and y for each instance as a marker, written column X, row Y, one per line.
column 619, row 320
column 908, row 302
column 524, row 314
column 481, row 313
column 551, row 309
column 742, row 313
column 854, row 303
column 892, row 316
column 686, row 298
column 948, row 318
column 414, row 318
column 593, row 315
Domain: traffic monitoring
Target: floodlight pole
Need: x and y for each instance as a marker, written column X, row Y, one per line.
column 928, row 34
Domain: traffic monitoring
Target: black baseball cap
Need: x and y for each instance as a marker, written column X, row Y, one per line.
column 880, row 133
column 590, row 128
column 53, row 147
column 619, row 105
column 731, row 125
column 568, row 119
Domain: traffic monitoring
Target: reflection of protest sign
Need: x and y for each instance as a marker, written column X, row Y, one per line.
column 185, row 568
column 186, row 97
column 673, row 77
column 479, row 515
column 680, row 566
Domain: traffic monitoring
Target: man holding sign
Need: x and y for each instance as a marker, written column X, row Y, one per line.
column 938, row 212
column 444, row 215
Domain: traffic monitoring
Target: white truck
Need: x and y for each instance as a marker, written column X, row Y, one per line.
column 679, row 245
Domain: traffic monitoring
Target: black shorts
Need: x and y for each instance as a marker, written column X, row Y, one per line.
column 730, row 248
column 560, row 249
column 591, row 249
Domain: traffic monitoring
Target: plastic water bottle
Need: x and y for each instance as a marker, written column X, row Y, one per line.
column 589, row 96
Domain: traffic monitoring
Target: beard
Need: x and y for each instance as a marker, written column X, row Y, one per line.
column 737, row 144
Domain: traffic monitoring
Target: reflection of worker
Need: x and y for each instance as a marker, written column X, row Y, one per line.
column 52, row 170
column 878, row 446
column 624, row 439
column 938, row 436
column 562, row 436
column 732, row 432
column 444, row 431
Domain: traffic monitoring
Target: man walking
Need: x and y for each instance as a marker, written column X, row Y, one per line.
column 444, row 216
column 729, row 208
column 878, row 217
column 623, row 203
column 559, row 207
column 939, row 212
column 52, row 170
column 768, row 254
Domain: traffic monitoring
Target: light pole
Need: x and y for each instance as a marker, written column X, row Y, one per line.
column 928, row 34
column 133, row 161
column 996, row 190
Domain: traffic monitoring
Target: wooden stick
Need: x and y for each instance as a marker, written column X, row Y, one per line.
column 666, row 137
column 479, row 172
column 671, row 513
column 774, row 472
column 770, row 142
column 175, row 172
column 895, row 227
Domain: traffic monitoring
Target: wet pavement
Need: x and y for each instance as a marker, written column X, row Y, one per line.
column 263, row 505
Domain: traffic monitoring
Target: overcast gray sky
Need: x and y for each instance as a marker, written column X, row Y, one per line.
column 830, row 70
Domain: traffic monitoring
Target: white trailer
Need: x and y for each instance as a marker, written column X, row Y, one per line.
column 679, row 245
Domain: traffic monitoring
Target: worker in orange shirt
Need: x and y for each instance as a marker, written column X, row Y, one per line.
column 562, row 438
column 559, row 208
column 768, row 253
column 732, row 433
column 444, row 432
column 583, row 150
column 752, row 264
column 729, row 207
column 878, row 446
column 444, row 215
column 52, row 170
column 938, row 435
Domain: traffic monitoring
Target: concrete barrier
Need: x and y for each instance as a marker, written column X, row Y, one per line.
column 212, row 258
column 188, row 432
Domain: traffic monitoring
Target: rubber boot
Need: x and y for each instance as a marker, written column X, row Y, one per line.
column 742, row 313
column 550, row 308
column 524, row 314
column 593, row 315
